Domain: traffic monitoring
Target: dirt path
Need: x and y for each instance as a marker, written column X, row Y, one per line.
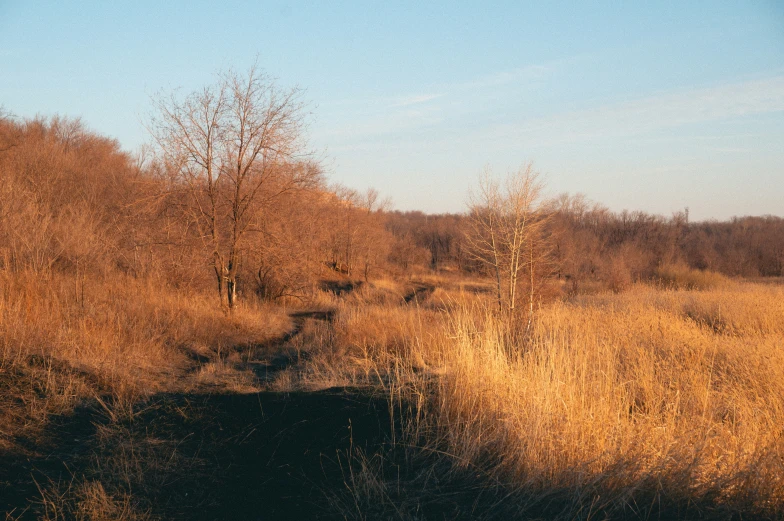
column 273, row 356
column 419, row 293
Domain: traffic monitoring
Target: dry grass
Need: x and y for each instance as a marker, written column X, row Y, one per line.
column 358, row 348
column 132, row 333
column 65, row 339
column 376, row 338
column 88, row 501
column 107, row 346
column 680, row 276
column 651, row 402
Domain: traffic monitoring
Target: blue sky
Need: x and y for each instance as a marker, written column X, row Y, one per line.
column 649, row 106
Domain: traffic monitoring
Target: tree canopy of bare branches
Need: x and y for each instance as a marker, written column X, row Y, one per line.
column 507, row 234
column 232, row 148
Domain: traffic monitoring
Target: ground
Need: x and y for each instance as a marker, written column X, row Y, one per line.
column 407, row 401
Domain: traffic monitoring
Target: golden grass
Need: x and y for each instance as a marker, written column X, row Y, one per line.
column 680, row 276
column 615, row 405
column 110, row 344
column 64, row 339
column 376, row 338
column 613, row 396
column 135, row 335
column 358, row 347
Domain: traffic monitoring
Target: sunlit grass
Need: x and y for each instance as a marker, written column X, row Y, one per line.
column 667, row 397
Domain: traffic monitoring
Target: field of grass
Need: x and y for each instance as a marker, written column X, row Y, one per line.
column 656, row 402
column 653, row 402
column 646, row 403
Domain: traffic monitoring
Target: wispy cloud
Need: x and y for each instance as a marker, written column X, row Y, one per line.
column 644, row 115
column 368, row 119
column 402, row 122
column 730, row 150
column 512, row 76
column 528, row 74
column 416, row 99
column 699, row 105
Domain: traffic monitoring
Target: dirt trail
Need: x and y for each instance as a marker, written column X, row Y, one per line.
column 419, row 293
column 208, row 454
column 273, row 356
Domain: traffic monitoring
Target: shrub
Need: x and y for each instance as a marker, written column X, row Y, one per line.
column 680, row 276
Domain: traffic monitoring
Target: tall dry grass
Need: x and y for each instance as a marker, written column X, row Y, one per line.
column 65, row 339
column 648, row 403
column 681, row 276
column 662, row 395
column 132, row 333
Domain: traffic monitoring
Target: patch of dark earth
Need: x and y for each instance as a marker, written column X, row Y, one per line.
column 339, row 287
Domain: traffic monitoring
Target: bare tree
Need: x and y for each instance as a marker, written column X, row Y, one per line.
column 373, row 239
column 358, row 239
column 507, row 234
column 231, row 147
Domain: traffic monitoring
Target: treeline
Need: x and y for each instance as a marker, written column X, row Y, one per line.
column 72, row 201
column 591, row 241
column 591, row 244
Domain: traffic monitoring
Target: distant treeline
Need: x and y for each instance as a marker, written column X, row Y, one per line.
column 590, row 243
column 73, row 201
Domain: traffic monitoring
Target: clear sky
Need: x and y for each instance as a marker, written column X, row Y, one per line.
column 638, row 105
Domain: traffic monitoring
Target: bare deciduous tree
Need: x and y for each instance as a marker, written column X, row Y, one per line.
column 231, row 147
column 357, row 237
column 507, row 234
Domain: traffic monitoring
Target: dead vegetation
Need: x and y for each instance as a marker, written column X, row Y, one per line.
column 618, row 406
column 356, row 364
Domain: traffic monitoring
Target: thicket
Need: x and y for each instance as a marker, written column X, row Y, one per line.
column 74, row 202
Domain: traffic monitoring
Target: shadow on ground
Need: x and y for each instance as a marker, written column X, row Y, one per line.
column 282, row 456
column 236, row 456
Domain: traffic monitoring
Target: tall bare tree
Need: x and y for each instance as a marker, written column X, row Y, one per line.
column 507, row 234
column 232, row 147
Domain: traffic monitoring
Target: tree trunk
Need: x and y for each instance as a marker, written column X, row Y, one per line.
column 219, row 280
column 231, row 281
column 497, row 272
column 231, row 292
column 531, row 289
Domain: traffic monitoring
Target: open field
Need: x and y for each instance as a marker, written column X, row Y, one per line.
column 412, row 262
column 396, row 399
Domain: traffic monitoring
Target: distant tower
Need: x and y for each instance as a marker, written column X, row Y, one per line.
column 687, row 215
